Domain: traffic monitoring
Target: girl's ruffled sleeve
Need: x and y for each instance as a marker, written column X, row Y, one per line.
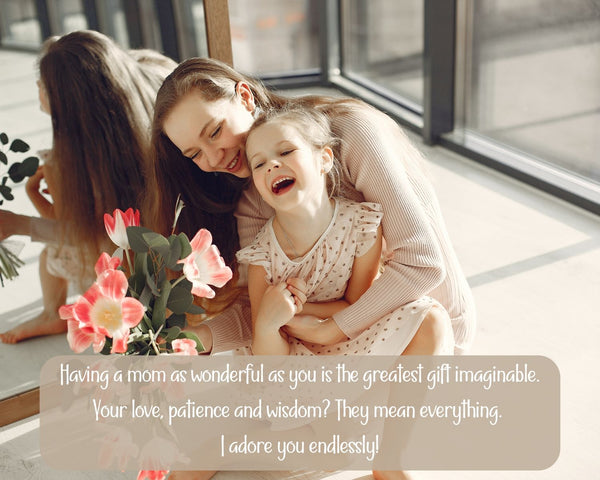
column 367, row 221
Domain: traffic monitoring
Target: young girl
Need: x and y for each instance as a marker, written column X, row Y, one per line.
column 331, row 244
column 101, row 100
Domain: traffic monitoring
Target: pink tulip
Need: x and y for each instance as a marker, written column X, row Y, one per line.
column 117, row 224
column 80, row 336
column 184, row 346
column 152, row 474
column 106, row 262
column 105, row 310
column 205, row 266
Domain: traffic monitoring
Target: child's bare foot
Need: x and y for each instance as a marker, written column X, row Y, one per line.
column 390, row 475
column 43, row 324
column 184, row 475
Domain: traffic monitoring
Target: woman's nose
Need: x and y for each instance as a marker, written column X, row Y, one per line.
column 215, row 156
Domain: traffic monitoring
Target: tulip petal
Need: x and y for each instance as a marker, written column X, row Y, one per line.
column 132, row 311
column 202, row 290
column 106, row 262
column 78, row 340
column 113, row 284
column 201, row 240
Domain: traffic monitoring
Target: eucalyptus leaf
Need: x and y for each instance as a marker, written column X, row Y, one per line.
column 159, row 310
column 3, row 158
column 176, row 321
column 157, row 243
column 5, row 191
column 3, row 138
column 172, row 333
column 136, row 239
column 194, row 309
column 186, row 248
column 19, row 146
column 180, row 298
column 15, row 174
column 174, row 252
column 29, row 166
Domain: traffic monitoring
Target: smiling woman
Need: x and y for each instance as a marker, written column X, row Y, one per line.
column 204, row 110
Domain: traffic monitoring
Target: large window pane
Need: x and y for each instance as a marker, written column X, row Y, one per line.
column 66, row 16
column 382, row 44
column 534, row 83
column 19, row 23
column 273, row 37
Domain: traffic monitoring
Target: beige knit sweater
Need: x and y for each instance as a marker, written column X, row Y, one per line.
column 379, row 164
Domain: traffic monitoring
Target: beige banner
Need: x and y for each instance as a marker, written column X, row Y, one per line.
column 276, row 413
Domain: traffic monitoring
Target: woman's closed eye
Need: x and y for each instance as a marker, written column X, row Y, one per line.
column 215, row 133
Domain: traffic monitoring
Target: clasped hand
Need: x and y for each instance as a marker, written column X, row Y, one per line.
column 280, row 303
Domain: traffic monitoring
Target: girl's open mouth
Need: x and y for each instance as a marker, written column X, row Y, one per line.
column 282, row 185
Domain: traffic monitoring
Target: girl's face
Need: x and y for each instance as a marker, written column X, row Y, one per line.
column 287, row 171
column 213, row 133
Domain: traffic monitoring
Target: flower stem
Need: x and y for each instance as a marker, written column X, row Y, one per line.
column 129, row 261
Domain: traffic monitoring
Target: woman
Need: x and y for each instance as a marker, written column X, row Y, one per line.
column 203, row 112
column 101, row 100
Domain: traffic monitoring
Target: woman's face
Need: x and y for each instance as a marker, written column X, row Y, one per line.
column 43, row 96
column 213, row 133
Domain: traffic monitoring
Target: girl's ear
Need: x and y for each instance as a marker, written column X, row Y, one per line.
column 243, row 91
column 326, row 159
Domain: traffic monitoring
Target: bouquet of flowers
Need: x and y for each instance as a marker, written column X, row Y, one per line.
column 136, row 307
column 17, row 172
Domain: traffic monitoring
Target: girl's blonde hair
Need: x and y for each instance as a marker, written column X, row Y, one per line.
column 313, row 126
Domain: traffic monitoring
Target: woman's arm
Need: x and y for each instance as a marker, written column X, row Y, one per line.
column 380, row 163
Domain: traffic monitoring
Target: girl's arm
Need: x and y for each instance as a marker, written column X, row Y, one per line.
column 272, row 307
column 41, row 204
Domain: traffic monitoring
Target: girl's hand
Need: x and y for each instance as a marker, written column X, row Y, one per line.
column 297, row 288
column 34, row 182
column 277, row 307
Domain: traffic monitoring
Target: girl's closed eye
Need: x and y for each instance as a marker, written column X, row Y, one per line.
column 287, row 152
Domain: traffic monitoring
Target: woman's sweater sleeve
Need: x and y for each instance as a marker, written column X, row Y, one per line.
column 233, row 328
column 382, row 164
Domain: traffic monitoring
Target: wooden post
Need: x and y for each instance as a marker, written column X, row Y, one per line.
column 218, row 32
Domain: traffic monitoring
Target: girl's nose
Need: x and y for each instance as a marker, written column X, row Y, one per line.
column 272, row 166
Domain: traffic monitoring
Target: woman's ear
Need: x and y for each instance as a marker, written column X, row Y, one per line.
column 244, row 92
column 326, row 159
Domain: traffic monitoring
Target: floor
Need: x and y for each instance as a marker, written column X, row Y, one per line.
column 533, row 262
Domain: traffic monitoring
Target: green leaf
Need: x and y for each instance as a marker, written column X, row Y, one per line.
column 29, row 166
column 181, row 297
column 6, row 192
column 3, row 158
column 174, row 252
column 3, row 138
column 176, row 321
column 192, row 336
column 14, row 172
column 172, row 333
column 19, row 146
column 136, row 239
column 157, row 243
column 186, row 248
column 159, row 309
column 195, row 309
